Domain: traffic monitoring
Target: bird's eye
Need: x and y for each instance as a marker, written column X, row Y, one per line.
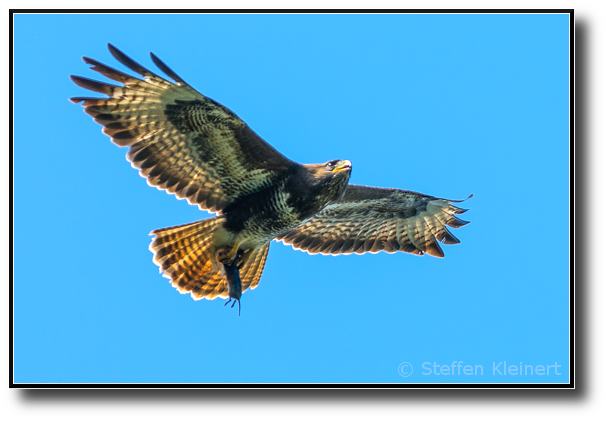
column 331, row 164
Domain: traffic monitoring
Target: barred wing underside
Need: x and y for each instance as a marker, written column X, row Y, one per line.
column 180, row 140
column 369, row 219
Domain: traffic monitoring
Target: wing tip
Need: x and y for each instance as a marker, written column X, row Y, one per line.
column 458, row 210
column 433, row 249
column 166, row 69
column 462, row 200
column 76, row 100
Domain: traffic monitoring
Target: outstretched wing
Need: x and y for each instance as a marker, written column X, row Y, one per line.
column 180, row 140
column 370, row 219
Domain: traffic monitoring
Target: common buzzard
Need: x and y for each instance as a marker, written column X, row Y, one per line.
column 189, row 145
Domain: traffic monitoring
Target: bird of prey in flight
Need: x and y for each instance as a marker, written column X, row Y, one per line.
column 195, row 148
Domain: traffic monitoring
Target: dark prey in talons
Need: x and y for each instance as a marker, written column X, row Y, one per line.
column 234, row 283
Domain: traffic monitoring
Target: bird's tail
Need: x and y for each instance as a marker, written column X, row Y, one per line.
column 186, row 255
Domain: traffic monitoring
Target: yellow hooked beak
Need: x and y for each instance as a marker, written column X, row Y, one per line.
column 345, row 165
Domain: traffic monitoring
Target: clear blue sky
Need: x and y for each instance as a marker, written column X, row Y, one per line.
column 446, row 105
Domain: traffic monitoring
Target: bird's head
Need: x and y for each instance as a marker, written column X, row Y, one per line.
column 337, row 169
column 332, row 177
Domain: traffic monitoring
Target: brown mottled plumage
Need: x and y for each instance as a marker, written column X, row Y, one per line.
column 195, row 148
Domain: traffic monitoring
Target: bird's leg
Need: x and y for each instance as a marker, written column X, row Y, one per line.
column 227, row 255
column 241, row 260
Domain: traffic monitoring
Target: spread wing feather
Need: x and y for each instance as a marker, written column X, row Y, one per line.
column 180, row 140
column 370, row 219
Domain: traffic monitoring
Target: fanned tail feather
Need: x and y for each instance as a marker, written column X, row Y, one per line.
column 185, row 254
